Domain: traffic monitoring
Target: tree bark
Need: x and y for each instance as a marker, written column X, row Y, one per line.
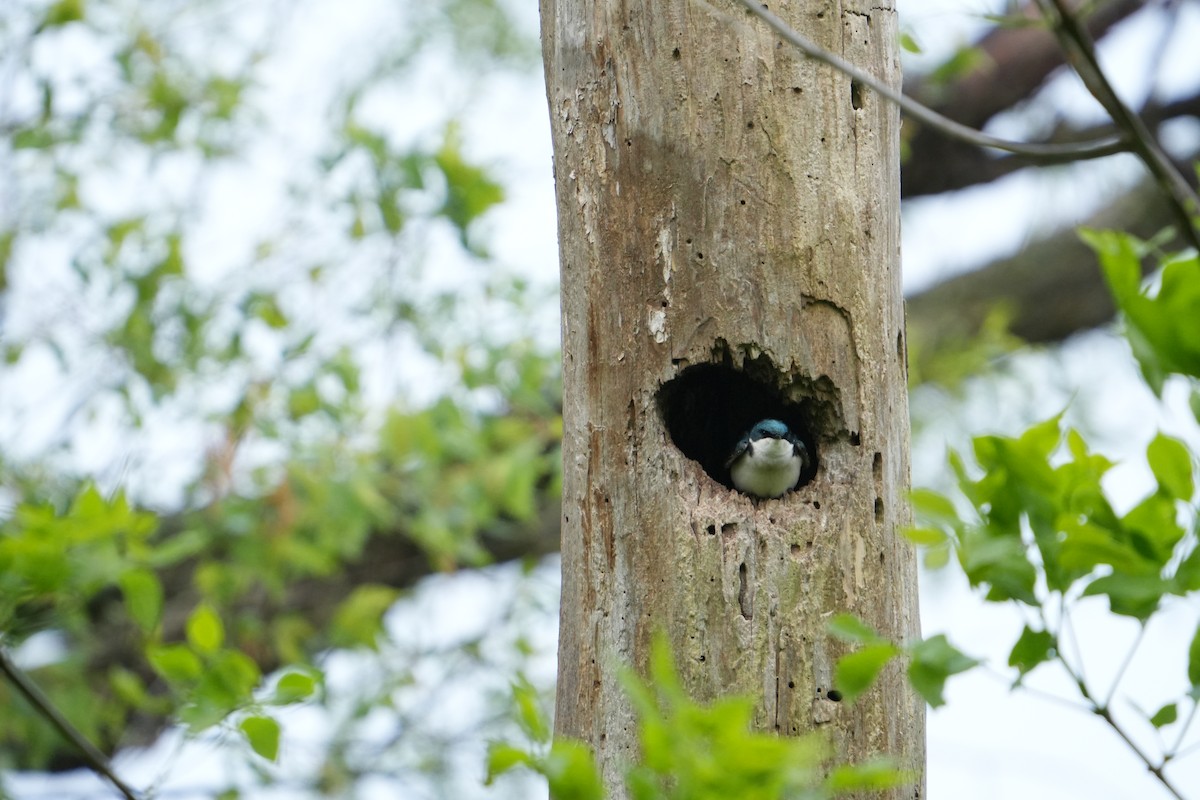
column 728, row 223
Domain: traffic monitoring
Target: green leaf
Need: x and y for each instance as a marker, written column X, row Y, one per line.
column 1160, row 329
column 470, row 191
column 1153, row 530
column 294, row 687
column 871, row 775
column 129, row 687
column 1129, row 595
column 266, row 308
column 1187, row 576
column 571, row 772
column 502, row 758
column 909, row 43
column 856, row 672
column 1165, row 715
column 205, row 631
column 850, row 628
column 932, row 662
column 175, row 662
column 1171, row 463
column 1000, row 563
column 303, row 401
column 926, row 537
column 359, row 619
column 1085, row 546
column 529, row 713
column 263, row 735
column 1032, row 648
column 143, row 598
column 63, row 12
column 226, row 685
column 1193, row 668
column 937, row 557
column 934, row 507
column 964, row 61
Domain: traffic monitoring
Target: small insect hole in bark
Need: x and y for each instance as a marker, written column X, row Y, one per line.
column 744, row 600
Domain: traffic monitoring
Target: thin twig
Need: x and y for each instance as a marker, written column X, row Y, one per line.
column 1068, row 629
column 1157, row 770
column 1043, row 152
column 1187, row 723
column 1112, row 692
column 1033, row 691
column 1191, row 748
column 1081, row 53
column 46, row 708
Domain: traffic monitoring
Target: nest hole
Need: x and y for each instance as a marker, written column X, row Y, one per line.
column 707, row 408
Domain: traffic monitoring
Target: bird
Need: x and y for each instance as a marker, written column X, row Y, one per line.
column 768, row 460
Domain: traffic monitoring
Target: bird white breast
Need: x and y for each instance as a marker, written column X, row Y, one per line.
column 768, row 469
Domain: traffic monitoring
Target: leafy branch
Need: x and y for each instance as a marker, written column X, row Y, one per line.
column 1043, row 532
column 687, row 750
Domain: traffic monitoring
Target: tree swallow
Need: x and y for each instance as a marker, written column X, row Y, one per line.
column 768, row 460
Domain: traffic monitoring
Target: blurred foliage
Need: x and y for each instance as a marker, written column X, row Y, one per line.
column 1033, row 524
column 953, row 362
column 355, row 370
column 1160, row 325
column 688, row 750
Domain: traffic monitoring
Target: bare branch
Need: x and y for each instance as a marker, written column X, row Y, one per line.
column 1103, row 711
column 1013, row 64
column 1082, row 54
column 1046, row 153
column 937, row 165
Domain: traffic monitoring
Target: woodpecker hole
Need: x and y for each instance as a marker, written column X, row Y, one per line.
column 708, row 407
column 745, row 599
column 856, row 95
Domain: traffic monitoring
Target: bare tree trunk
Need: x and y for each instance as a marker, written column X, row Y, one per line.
column 728, row 220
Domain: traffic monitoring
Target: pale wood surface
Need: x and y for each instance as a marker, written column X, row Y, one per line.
column 722, row 200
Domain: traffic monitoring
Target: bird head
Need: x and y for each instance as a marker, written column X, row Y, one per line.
column 769, row 429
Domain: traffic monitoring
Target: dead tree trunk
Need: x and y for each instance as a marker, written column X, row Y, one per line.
column 729, row 230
